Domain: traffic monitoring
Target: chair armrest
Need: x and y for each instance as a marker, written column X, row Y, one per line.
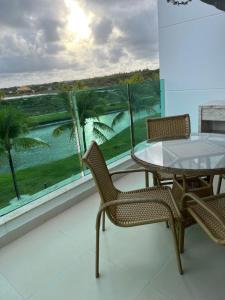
column 203, row 203
column 128, row 171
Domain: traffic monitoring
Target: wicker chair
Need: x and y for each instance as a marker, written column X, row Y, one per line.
column 164, row 129
column 209, row 213
column 134, row 208
column 175, row 127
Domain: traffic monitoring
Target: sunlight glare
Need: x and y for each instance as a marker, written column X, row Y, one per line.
column 78, row 21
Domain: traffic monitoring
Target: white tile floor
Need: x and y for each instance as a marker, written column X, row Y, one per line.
column 56, row 261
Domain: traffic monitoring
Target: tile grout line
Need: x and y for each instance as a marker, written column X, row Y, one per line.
column 12, row 285
column 152, row 279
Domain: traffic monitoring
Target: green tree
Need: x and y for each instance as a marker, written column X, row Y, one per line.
column 88, row 106
column 135, row 78
column 13, row 127
column 91, row 107
column 143, row 95
column 155, row 75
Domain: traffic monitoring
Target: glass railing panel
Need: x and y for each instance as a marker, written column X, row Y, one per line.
column 103, row 116
column 45, row 157
column 145, row 102
column 61, row 127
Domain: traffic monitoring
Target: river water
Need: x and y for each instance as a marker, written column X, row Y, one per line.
column 62, row 146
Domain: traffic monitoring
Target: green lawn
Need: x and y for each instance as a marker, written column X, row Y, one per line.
column 35, row 179
column 64, row 115
column 51, row 117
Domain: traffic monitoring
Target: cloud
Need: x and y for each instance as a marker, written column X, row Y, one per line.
column 13, row 44
column 30, row 35
column 50, row 29
column 130, row 28
column 139, row 34
column 25, row 13
column 116, row 53
column 102, row 31
column 34, row 37
column 11, row 64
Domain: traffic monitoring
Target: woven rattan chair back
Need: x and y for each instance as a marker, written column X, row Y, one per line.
column 169, row 127
column 96, row 162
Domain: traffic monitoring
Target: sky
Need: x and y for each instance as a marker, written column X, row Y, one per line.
column 45, row 40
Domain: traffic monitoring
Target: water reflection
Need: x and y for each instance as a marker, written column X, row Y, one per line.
column 62, row 146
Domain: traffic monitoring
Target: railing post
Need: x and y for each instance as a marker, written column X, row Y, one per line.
column 75, row 121
column 131, row 117
column 162, row 97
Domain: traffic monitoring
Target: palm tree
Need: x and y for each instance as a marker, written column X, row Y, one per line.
column 136, row 92
column 88, row 106
column 91, row 107
column 13, row 126
column 2, row 95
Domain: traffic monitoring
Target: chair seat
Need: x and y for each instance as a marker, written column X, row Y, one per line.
column 216, row 230
column 141, row 213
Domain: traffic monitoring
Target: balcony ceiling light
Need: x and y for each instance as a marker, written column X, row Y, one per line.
column 176, row 2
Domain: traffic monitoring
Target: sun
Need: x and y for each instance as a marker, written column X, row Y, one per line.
column 77, row 22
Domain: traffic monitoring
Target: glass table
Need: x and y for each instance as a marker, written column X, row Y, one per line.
column 200, row 154
column 192, row 161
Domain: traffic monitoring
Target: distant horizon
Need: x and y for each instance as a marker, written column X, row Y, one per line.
column 73, row 79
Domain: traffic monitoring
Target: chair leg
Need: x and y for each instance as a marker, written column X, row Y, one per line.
column 155, row 181
column 167, row 224
column 146, row 179
column 181, row 238
column 176, row 247
column 98, row 221
column 219, row 184
column 103, row 221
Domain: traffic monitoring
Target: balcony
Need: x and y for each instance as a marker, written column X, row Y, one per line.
column 56, row 260
column 54, row 256
column 49, row 242
column 50, row 175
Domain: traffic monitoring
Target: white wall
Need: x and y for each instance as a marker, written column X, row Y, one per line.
column 192, row 56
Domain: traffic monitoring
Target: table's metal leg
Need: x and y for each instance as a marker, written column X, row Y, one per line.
column 146, row 178
column 219, row 184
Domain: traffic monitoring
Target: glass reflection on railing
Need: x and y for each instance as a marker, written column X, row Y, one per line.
column 43, row 137
column 144, row 103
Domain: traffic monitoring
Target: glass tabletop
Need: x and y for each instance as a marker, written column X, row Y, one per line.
column 200, row 153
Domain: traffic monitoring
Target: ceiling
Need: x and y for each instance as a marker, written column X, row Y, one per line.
column 220, row 4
